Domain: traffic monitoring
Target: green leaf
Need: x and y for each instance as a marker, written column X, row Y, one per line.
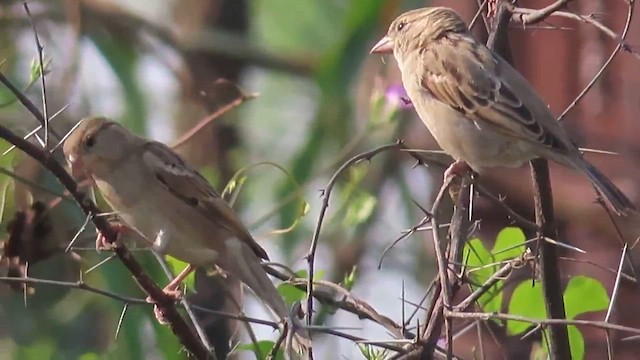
column 584, row 294
column 576, row 342
column 290, row 293
column 350, row 279
column 509, row 244
column 36, row 69
column 372, row 353
column 527, row 300
column 89, row 356
column 303, row 274
column 264, row 347
column 478, row 260
column 43, row 349
column 360, row 207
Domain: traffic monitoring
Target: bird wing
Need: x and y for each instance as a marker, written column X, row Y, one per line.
column 470, row 78
column 189, row 186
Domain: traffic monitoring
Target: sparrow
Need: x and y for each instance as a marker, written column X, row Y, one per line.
column 170, row 204
column 479, row 109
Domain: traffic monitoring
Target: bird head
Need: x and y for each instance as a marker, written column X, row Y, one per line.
column 96, row 145
column 415, row 29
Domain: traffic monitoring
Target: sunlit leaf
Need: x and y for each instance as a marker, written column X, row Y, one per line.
column 576, row 342
column 527, row 300
column 44, row 348
column 350, row 279
column 509, row 244
column 481, row 268
column 89, row 356
column 371, row 352
column 36, row 69
column 584, row 294
column 290, row 293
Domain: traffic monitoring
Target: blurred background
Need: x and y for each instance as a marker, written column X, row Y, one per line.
column 320, row 99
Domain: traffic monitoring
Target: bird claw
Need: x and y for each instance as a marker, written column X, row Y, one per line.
column 492, row 8
column 103, row 244
column 175, row 293
column 459, row 169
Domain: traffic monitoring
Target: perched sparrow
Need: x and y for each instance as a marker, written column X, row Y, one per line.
column 170, row 204
column 479, row 109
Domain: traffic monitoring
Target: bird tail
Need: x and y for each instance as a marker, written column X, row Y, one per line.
column 618, row 200
column 244, row 263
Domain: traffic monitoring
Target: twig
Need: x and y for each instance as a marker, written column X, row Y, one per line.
column 33, row 184
column 543, row 322
column 616, row 50
column 28, row 104
column 274, row 350
column 535, row 16
column 185, row 303
column 323, row 210
column 45, row 108
column 519, row 219
column 74, row 285
column 504, row 271
column 444, row 293
column 342, row 299
column 209, row 118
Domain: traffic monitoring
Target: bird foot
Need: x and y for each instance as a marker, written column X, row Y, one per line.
column 492, row 8
column 459, row 169
column 103, row 244
column 173, row 292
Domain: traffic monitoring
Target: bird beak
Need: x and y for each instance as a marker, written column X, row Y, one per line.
column 76, row 166
column 384, row 46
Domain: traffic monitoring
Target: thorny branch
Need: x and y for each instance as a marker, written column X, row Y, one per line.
column 326, row 194
column 164, row 302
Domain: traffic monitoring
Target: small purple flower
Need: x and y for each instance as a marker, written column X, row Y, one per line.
column 397, row 96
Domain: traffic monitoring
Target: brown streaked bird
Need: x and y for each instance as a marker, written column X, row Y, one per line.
column 156, row 193
column 480, row 110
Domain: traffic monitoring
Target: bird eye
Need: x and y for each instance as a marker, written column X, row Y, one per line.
column 400, row 26
column 90, row 141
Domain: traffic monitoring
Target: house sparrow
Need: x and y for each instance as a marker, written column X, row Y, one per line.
column 479, row 108
column 157, row 194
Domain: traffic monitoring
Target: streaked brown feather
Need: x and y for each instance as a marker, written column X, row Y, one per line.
column 473, row 87
column 192, row 188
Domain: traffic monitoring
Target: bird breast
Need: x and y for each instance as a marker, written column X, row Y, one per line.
column 477, row 143
column 169, row 225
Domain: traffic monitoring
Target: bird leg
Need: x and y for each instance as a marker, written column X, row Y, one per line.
column 458, row 168
column 172, row 290
column 103, row 244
